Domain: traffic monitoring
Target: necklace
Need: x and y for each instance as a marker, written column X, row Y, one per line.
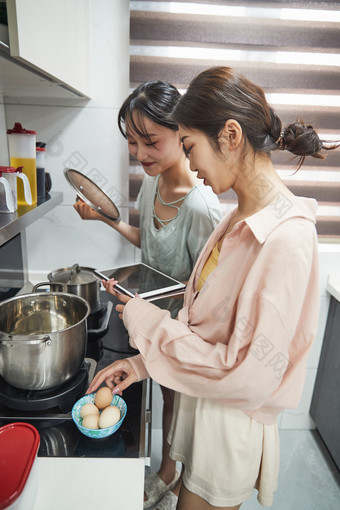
column 169, row 204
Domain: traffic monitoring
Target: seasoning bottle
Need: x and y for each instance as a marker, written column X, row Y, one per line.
column 40, row 157
column 21, row 144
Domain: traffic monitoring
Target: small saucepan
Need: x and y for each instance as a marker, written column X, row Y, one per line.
column 77, row 280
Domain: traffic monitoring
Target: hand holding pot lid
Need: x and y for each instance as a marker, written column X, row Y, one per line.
column 91, row 194
column 85, row 211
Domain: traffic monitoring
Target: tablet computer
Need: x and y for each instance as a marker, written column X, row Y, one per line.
column 143, row 280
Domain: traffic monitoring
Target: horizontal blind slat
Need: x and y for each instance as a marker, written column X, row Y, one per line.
column 283, row 77
column 226, row 30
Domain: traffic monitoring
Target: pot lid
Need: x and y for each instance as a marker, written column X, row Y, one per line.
column 74, row 275
column 19, row 443
column 92, row 195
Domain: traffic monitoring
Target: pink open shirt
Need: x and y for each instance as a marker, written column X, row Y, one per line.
column 244, row 338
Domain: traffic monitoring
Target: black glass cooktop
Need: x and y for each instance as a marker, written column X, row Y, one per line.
column 59, row 436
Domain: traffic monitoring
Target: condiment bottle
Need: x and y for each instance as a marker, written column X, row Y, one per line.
column 21, row 144
column 8, row 190
column 40, row 157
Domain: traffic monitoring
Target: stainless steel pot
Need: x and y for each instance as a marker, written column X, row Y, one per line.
column 76, row 280
column 43, row 338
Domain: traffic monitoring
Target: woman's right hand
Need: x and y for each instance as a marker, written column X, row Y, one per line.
column 85, row 211
column 118, row 376
column 131, row 233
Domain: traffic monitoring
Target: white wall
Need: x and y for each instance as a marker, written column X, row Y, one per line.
column 83, row 135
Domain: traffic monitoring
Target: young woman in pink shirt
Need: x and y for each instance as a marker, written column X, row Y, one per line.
column 237, row 353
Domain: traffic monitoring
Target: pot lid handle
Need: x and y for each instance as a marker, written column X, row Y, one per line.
column 74, row 270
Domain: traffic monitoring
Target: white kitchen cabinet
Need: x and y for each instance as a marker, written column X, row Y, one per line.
column 53, row 40
column 89, row 484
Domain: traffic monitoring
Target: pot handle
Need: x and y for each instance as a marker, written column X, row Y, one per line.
column 63, row 287
column 9, row 340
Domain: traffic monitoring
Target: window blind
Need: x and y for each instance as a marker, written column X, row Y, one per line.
column 289, row 48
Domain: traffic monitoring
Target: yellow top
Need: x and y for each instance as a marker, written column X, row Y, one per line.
column 209, row 266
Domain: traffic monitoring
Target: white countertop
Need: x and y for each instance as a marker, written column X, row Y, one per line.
column 89, row 484
column 333, row 285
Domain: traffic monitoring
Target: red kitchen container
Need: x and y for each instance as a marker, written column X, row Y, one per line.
column 19, row 443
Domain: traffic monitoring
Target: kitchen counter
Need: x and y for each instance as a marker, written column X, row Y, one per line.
column 333, row 285
column 12, row 224
column 89, row 484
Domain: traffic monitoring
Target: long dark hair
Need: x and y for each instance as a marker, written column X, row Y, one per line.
column 221, row 93
column 152, row 99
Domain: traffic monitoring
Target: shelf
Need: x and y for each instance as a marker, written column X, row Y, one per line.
column 12, row 224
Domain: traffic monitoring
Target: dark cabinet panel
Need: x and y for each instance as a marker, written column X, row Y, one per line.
column 13, row 252
column 325, row 406
column 12, row 274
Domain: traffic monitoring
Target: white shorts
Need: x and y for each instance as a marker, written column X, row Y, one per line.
column 226, row 453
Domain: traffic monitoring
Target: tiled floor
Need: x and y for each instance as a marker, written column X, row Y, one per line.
column 308, row 478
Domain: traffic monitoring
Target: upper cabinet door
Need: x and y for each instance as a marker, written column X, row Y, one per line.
column 53, row 37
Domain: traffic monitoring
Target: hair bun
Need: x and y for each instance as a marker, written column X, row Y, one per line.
column 301, row 139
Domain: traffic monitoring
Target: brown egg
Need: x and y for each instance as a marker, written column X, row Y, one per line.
column 89, row 409
column 91, row 421
column 109, row 416
column 103, row 397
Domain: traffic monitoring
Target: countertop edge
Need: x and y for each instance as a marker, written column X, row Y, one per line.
column 333, row 286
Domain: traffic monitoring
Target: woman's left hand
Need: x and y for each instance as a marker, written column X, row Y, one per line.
column 109, row 286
